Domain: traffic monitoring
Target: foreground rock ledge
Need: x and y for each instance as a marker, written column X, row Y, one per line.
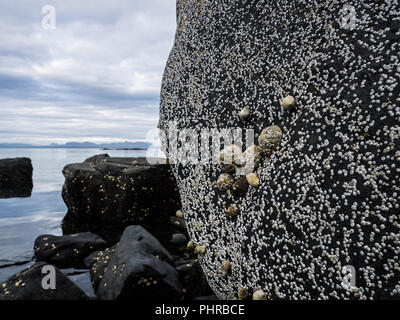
column 105, row 195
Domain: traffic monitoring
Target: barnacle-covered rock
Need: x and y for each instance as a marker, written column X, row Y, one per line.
column 270, row 138
column 330, row 196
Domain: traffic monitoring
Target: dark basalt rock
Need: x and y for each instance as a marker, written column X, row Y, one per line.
column 141, row 268
column 27, row 285
column 67, row 250
column 328, row 198
column 105, row 195
column 16, row 178
column 97, row 262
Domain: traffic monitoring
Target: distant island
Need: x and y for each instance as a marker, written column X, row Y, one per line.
column 81, row 145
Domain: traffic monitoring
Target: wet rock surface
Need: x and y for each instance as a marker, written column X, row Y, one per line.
column 67, row 250
column 105, row 195
column 140, row 268
column 27, row 285
column 16, row 178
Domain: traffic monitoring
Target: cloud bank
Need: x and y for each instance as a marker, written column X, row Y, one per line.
column 96, row 77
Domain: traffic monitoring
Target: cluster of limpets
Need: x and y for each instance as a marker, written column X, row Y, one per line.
column 329, row 195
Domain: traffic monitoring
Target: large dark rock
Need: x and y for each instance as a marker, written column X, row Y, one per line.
column 67, row 250
column 327, row 200
column 16, row 178
column 105, row 195
column 27, row 285
column 141, row 268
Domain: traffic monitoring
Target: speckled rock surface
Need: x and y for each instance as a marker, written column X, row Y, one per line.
column 329, row 194
column 105, row 195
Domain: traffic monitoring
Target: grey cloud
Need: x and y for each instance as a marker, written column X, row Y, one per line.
column 96, row 76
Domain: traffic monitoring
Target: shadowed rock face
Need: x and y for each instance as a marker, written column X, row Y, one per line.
column 140, row 268
column 16, row 178
column 27, row 285
column 105, row 195
column 329, row 194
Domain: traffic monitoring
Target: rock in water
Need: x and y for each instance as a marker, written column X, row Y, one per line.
column 329, row 198
column 27, row 285
column 68, row 250
column 16, row 178
column 141, row 268
column 105, row 195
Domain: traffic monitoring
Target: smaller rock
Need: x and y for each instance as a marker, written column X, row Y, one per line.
column 253, row 180
column 225, row 181
column 288, row 103
column 27, row 285
column 140, row 268
column 67, row 250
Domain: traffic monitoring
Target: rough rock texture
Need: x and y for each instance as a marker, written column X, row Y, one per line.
column 105, row 195
column 67, row 250
column 16, row 178
column 97, row 263
column 329, row 194
column 140, row 268
column 27, row 285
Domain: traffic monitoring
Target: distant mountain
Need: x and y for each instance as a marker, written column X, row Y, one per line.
column 80, row 145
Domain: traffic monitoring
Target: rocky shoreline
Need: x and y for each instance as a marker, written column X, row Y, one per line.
column 123, row 225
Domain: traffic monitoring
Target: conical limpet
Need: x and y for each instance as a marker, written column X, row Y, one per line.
column 259, row 295
column 244, row 113
column 225, row 181
column 200, row 250
column 233, row 211
column 288, row 102
column 253, row 180
column 270, row 138
column 226, row 267
column 179, row 214
column 243, row 293
column 240, row 186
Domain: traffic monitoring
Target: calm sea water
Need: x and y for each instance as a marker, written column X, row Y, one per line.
column 23, row 219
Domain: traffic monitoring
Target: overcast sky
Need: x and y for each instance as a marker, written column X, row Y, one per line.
column 96, row 77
